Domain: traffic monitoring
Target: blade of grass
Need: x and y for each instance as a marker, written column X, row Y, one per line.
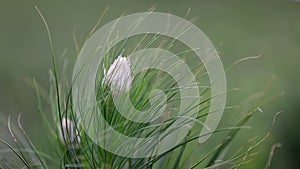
column 43, row 163
column 25, row 162
column 53, row 62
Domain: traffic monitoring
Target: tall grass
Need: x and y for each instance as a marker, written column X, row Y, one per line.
column 71, row 147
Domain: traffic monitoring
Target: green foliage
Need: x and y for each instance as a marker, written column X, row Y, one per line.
column 82, row 152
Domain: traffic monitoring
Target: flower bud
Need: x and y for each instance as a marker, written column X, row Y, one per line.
column 68, row 132
column 118, row 76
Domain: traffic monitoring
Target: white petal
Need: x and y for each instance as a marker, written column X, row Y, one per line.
column 118, row 75
column 68, row 131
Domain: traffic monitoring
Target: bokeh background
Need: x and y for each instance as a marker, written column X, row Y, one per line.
column 238, row 29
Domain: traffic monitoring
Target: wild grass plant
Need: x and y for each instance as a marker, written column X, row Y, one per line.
column 70, row 146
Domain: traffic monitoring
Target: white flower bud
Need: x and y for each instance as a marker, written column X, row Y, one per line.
column 118, row 75
column 68, row 132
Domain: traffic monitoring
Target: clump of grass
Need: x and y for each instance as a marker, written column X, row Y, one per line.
column 71, row 147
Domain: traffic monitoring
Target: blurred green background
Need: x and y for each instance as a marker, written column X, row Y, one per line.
column 237, row 29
